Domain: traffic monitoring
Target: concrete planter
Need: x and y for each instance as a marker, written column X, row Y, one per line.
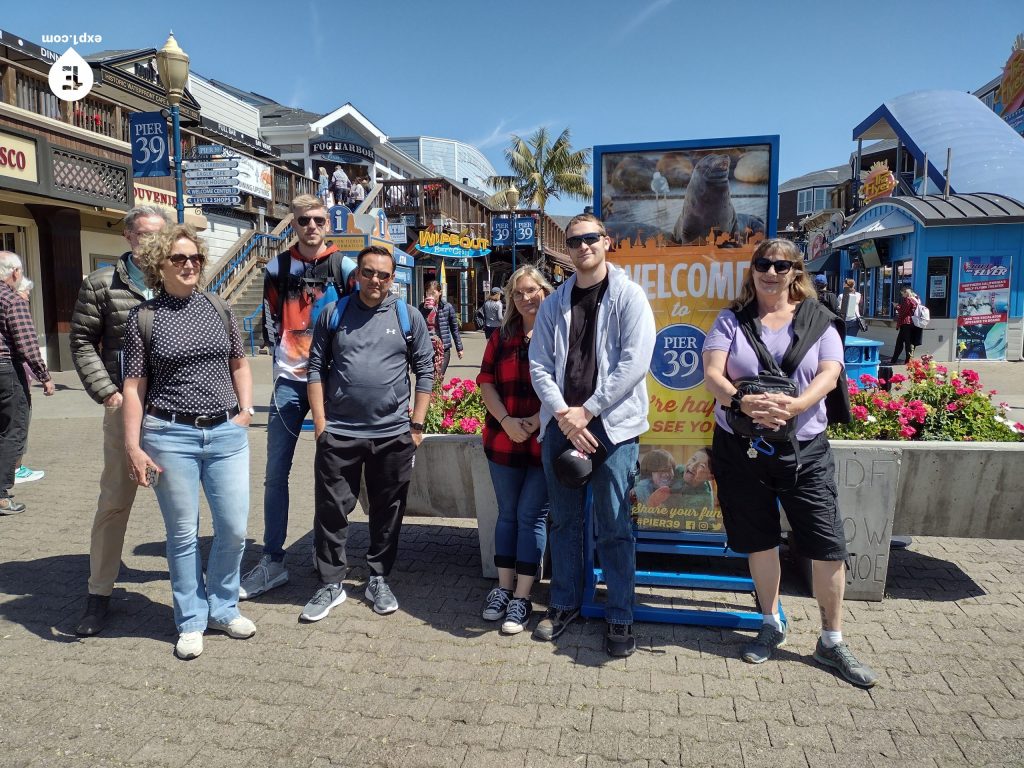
column 971, row 490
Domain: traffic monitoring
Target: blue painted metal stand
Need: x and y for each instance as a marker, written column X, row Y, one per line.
column 701, row 545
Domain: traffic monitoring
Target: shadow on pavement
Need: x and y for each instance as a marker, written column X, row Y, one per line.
column 916, row 576
column 42, row 602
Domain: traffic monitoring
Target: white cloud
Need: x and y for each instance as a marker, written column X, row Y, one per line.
column 641, row 17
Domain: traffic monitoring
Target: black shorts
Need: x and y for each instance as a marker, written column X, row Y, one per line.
column 750, row 491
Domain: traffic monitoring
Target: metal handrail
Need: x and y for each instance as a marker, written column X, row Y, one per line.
column 257, row 240
column 249, row 327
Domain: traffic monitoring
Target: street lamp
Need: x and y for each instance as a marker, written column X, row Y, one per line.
column 512, row 198
column 172, row 64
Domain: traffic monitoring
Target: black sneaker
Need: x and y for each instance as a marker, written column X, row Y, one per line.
column 619, row 640
column 496, row 603
column 554, row 623
column 840, row 657
column 517, row 616
column 768, row 639
column 94, row 617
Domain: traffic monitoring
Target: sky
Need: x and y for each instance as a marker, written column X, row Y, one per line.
column 613, row 72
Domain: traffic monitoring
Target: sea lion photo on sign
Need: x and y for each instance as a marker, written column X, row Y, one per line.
column 708, row 202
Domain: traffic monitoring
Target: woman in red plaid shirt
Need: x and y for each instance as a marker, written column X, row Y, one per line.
column 513, row 453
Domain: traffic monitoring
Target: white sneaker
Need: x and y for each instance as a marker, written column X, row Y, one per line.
column 239, row 627
column 26, row 475
column 265, row 576
column 189, row 645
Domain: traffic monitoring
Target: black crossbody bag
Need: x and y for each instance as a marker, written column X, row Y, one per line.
column 771, row 380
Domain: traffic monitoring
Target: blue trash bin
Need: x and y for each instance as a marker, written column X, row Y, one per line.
column 861, row 357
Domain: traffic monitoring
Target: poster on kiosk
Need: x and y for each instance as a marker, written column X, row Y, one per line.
column 684, row 218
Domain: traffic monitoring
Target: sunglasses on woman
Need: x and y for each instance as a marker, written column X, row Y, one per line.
column 179, row 259
column 781, row 265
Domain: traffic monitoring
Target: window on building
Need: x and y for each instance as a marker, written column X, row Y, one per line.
column 883, row 285
column 811, row 200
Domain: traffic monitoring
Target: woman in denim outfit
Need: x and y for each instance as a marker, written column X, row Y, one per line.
column 513, row 453
column 187, row 408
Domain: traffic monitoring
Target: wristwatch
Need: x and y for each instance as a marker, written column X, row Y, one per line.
column 250, row 410
column 416, row 426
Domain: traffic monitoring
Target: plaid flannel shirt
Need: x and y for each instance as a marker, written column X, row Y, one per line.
column 506, row 366
column 18, row 341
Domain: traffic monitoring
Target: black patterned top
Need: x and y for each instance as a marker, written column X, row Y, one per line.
column 188, row 369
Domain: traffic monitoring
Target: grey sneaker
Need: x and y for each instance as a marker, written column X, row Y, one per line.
column 496, row 603
column 768, row 639
column 380, row 594
column 517, row 616
column 265, row 576
column 554, row 623
column 325, row 598
column 840, row 657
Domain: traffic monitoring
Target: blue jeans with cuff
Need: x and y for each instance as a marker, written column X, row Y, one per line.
column 522, row 527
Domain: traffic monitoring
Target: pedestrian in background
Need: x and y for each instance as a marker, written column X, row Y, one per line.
column 18, row 342
column 23, row 473
column 494, row 312
column 849, row 308
column 442, row 321
column 908, row 335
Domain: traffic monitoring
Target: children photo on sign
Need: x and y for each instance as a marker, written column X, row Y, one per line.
column 675, row 491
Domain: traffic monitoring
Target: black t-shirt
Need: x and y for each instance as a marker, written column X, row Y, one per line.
column 581, row 365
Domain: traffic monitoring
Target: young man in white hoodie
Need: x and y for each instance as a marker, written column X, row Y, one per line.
column 593, row 401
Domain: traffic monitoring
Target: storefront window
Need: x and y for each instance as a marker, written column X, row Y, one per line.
column 883, row 285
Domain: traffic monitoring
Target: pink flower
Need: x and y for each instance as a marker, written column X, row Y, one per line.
column 458, row 394
column 993, row 392
column 897, row 378
column 1018, row 426
column 446, row 422
column 851, row 388
column 971, row 376
column 448, row 386
column 868, row 380
column 941, row 369
column 964, row 391
column 951, row 407
column 859, row 412
column 469, row 425
column 469, row 386
column 908, row 431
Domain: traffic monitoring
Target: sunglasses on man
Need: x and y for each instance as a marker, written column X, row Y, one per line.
column 782, row 266
column 577, row 240
column 369, row 274
column 304, row 220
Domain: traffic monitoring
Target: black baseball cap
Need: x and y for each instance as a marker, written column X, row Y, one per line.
column 573, row 468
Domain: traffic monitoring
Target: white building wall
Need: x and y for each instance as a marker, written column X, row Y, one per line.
column 223, row 107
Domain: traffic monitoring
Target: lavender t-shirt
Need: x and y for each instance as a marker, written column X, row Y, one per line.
column 725, row 335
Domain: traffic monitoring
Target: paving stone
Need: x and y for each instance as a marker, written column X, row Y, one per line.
column 774, row 757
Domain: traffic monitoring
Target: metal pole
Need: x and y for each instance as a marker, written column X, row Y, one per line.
column 512, row 213
column 176, row 122
column 949, row 161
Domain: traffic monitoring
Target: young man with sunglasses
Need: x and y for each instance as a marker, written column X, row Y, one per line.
column 360, row 394
column 294, row 285
column 594, row 401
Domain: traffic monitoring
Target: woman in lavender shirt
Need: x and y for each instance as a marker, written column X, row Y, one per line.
column 754, row 477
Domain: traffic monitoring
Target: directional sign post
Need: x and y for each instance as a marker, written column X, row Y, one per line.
column 212, row 181
column 223, row 200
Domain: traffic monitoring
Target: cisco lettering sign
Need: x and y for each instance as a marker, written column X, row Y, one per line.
column 18, row 158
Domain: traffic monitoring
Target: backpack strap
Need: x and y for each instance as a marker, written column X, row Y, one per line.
column 338, row 312
column 284, row 273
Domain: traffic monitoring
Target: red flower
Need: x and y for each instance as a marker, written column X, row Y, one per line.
column 897, row 378
column 952, row 407
column 971, row 376
column 908, row 431
column 868, row 380
column 859, row 412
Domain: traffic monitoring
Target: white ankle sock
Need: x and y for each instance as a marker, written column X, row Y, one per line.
column 773, row 619
column 831, row 639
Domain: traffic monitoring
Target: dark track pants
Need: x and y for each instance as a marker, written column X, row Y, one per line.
column 337, row 470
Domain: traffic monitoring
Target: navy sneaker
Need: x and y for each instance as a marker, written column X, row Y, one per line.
column 768, row 639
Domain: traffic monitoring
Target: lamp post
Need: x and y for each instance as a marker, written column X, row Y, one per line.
column 512, row 198
column 172, row 63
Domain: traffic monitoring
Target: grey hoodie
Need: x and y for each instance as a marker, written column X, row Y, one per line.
column 625, row 346
column 365, row 373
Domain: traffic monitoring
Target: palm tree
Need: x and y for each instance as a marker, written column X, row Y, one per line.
column 543, row 170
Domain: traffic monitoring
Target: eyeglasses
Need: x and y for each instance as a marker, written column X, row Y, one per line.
column 781, row 265
column 577, row 240
column 179, row 259
column 304, row 220
column 525, row 295
column 369, row 274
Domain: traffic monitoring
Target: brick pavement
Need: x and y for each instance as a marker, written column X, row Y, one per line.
column 436, row 685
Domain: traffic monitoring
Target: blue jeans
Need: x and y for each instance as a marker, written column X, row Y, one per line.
column 219, row 459
column 288, row 408
column 610, row 511
column 521, row 530
column 852, row 328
